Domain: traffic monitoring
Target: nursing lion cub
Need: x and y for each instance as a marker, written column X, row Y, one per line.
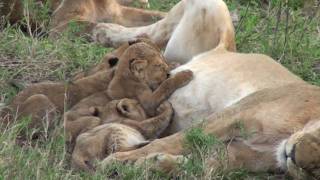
column 127, row 129
column 141, row 74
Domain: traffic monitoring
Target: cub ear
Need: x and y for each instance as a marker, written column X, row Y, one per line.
column 94, row 111
column 137, row 66
column 113, row 61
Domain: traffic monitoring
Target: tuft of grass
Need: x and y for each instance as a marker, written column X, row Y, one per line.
column 201, row 147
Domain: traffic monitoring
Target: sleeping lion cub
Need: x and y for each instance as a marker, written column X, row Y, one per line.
column 128, row 129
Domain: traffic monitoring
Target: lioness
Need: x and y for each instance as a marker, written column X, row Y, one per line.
column 282, row 126
column 122, row 133
column 141, row 74
column 100, row 11
column 191, row 27
column 268, row 98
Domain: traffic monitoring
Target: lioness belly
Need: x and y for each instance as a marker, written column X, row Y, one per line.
column 221, row 80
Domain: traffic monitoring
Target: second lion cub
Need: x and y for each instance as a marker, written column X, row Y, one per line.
column 123, row 135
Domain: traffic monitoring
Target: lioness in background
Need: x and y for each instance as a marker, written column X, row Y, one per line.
column 101, row 11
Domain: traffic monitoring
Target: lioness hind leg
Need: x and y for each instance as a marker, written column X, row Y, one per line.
column 240, row 154
column 138, row 17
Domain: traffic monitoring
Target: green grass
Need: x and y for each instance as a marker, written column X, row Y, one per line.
column 285, row 34
column 263, row 28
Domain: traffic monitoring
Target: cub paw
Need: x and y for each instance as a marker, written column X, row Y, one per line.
column 184, row 77
column 165, row 106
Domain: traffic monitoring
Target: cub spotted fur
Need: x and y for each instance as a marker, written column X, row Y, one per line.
column 121, row 134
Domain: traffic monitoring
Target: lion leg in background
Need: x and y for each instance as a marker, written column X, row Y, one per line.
column 144, row 3
column 100, row 11
column 160, row 32
column 138, row 17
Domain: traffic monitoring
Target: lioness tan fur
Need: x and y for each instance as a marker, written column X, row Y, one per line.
column 140, row 74
column 100, row 11
column 191, row 27
column 250, row 89
column 289, row 113
column 120, row 134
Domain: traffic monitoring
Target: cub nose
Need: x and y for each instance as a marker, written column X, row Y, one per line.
column 168, row 75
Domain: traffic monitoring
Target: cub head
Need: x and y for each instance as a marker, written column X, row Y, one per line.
column 111, row 59
column 300, row 153
column 141, row 63
column 118, row 110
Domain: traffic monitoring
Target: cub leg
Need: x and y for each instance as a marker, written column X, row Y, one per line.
column 153, row 127
column 151, row 100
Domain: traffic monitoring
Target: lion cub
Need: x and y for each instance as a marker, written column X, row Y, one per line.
column 141, row 74
column 121, row 133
